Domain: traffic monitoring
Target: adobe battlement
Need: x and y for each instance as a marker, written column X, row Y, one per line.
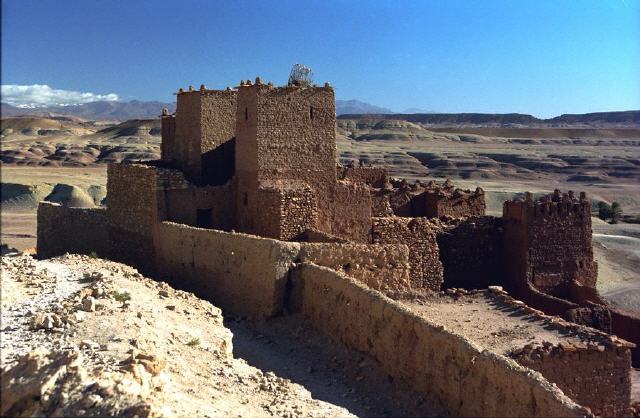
column 530, row 211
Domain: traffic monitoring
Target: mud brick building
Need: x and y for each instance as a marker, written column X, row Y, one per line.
column 247, row 207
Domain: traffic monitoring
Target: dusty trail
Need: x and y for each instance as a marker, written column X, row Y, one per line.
column 293, row 350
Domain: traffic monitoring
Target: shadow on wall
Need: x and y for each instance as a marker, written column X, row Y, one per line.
column 219, row 165
column 291, row 348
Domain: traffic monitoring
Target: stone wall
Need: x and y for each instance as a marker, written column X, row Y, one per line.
column 627, row 325
column 204, row 123
column 63, row 229
column 419, row 234
column 471, row 252
column 351, row 212
column 183, row 202
column 465, row 379
column 187, row 132
column 375, row 177
column 548, row 244
column 168, row 143
column 456, row 204
column 132, row 209
column 592, row 375
column 285, row 210
column 244, row 275
column 381, row 267
column 283, row 134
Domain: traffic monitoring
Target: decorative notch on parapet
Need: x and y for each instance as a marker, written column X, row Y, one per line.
column 202, row 90
column 555, row 204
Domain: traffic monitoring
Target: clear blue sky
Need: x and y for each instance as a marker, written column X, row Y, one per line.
column 539, row 57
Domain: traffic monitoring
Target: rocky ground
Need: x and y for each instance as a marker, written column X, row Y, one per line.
column 82, row 336
column 88, row 337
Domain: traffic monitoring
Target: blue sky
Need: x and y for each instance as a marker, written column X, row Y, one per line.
column 539, row 57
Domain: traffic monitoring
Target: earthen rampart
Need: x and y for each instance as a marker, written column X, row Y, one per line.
column 243, row 274
column 464, row 378
column 63, row 229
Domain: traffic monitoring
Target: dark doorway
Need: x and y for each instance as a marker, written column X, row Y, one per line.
column 204, row 218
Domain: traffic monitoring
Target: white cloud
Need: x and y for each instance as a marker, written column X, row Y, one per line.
column 38, row 95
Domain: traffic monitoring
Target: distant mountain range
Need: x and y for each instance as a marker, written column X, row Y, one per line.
column 629, row 118
column 345, row 109
column 111, row 110
column 137, row 109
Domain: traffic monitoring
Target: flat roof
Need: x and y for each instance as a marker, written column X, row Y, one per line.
column 498, row 323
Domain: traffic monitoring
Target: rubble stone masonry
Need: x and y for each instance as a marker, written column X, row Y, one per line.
column 63, row 229
column 549, row 245
column 471, row 252
column 132, row 213
column 419, row 234
column 282, row 134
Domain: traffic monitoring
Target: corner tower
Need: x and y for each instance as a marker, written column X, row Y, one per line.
column 548, row 245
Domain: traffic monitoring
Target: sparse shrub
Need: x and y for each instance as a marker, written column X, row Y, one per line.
column 604, row 210
column 93, row 254
column 616, row 212
column 122, row 296
column 194, row 342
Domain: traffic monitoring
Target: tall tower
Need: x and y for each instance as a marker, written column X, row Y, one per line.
column 286, row 153
column 199, row 139
column 547, row 244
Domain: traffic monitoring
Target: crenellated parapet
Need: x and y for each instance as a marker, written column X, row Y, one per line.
column 548, row 243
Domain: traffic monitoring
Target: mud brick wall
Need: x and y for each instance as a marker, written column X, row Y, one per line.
column 467, row 380
column 437, row 205
column 221, row 200
column 381, row 267
column 471, row 252
column 187, row 132
column 132, row 208
column 285, row 211
column 550, row 244
column 598, row 317
column 168, row 132
column 596, row 376
column 419, row 234
column 285, row 133
column 204, row 121
column 351, row 218
column 627, row 325
column 243, row 274
column 63, row 229
column 179, row 201
column 371, row 176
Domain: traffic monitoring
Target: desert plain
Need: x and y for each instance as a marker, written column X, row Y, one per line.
column 64, row 159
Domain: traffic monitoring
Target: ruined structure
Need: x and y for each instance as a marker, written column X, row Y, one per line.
column 247, row 202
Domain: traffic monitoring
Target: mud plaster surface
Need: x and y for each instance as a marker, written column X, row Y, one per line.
column 490, row 323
